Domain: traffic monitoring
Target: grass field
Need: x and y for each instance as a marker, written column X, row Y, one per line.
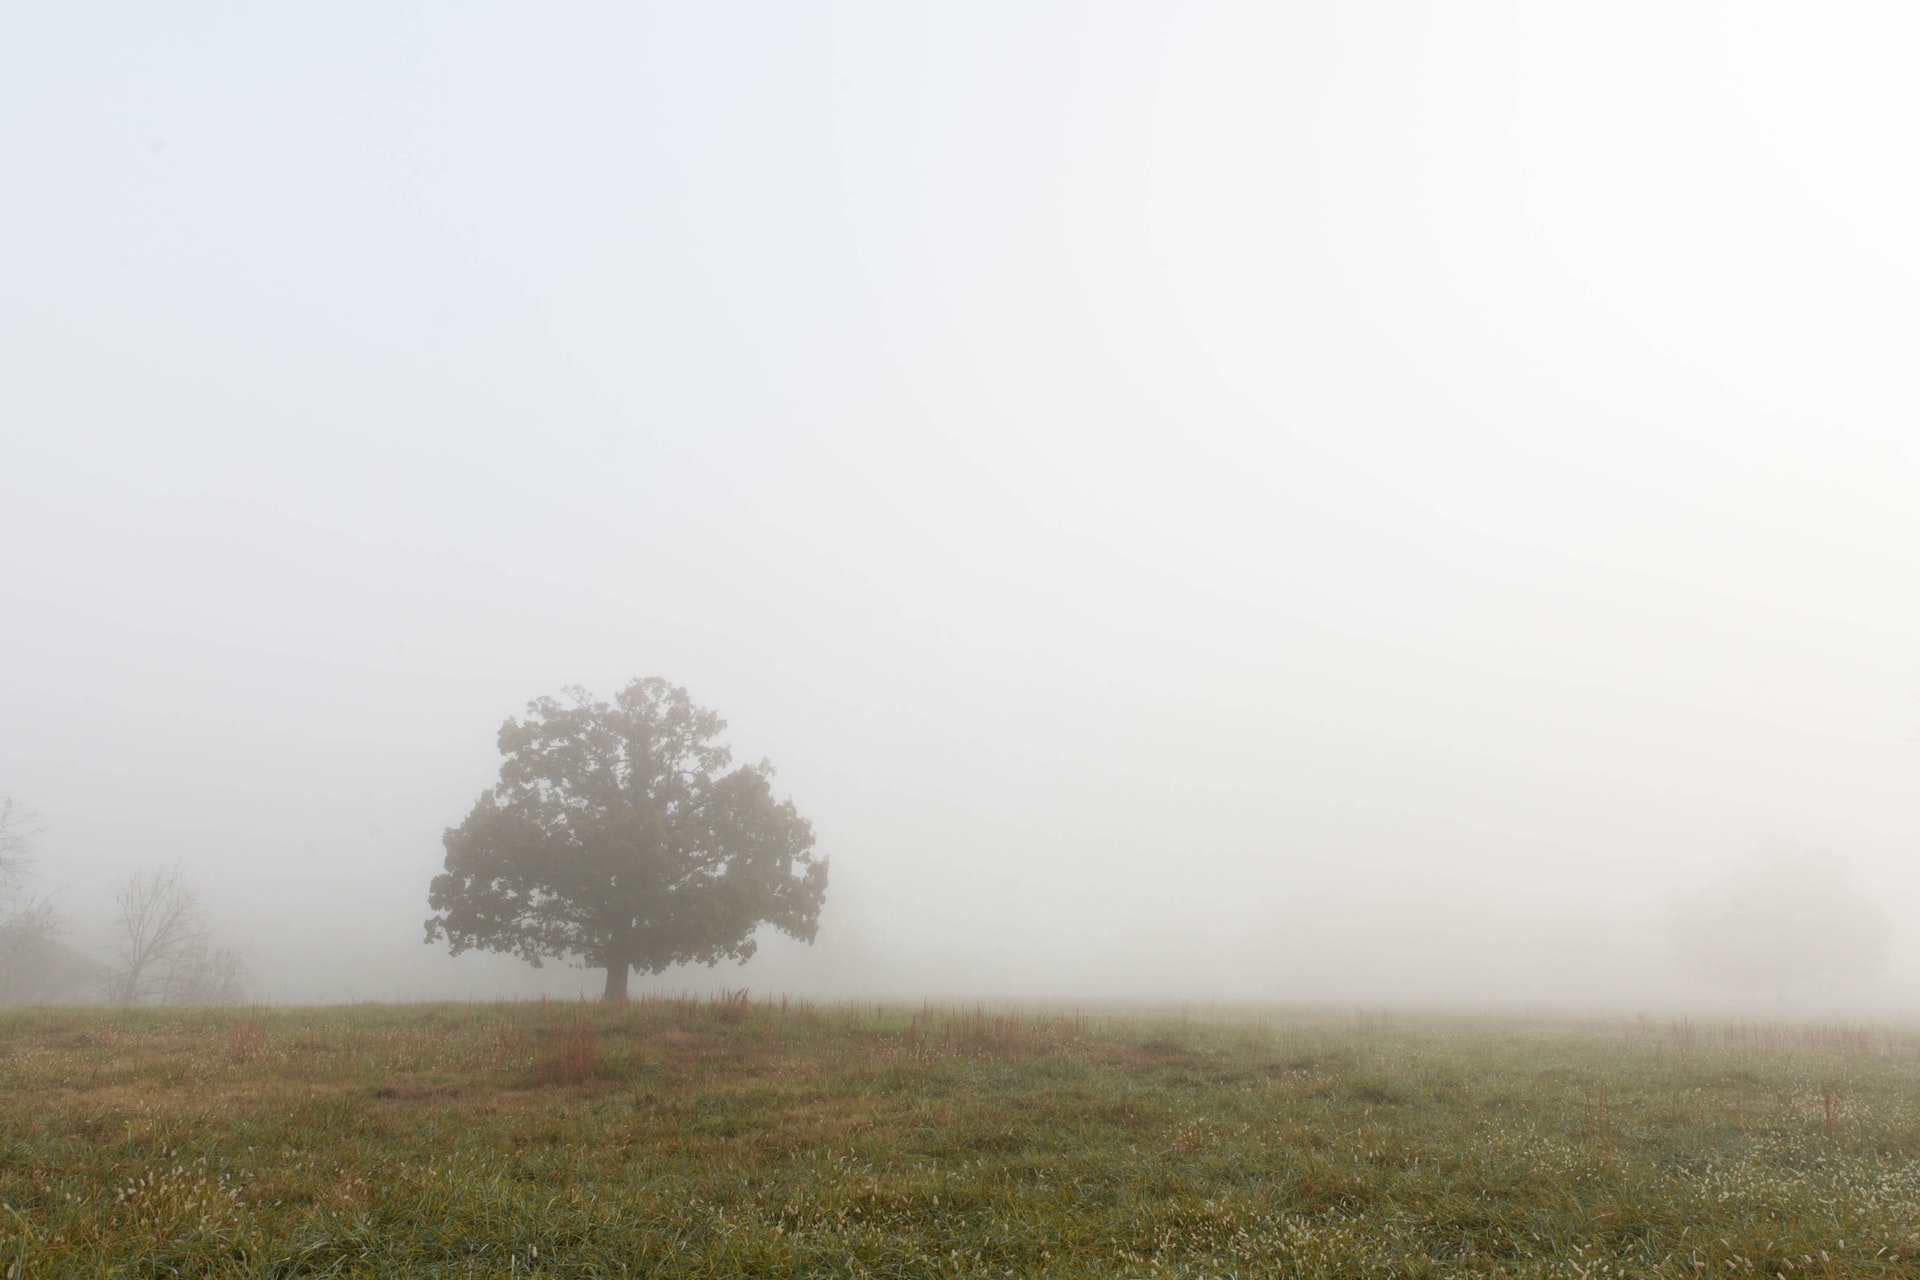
column 723, row 1137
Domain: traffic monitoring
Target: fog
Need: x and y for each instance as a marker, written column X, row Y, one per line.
column 1329, row 502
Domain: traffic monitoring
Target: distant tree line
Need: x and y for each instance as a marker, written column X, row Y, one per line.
column 1781, row 922
column 162, row 952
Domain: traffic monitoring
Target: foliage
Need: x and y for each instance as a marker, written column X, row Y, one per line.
column 1782, row 919
column 726, row 1136
column 614, row 836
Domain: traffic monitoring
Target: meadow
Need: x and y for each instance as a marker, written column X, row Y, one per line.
column 727, row 1136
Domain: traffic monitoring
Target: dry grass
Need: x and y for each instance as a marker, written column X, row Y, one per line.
column 677, row 1136
column 571, row 1055
column 249, row 1038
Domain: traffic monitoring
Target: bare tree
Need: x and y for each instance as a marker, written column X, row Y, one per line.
column 163, row 951
column 30, row 953
column 160, row 929
column 18, row 831
column 205, row 976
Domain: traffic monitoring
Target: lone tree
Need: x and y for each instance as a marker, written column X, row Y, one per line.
column 614, row 836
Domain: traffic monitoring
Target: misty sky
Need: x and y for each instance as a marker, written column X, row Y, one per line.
column 1354, row 501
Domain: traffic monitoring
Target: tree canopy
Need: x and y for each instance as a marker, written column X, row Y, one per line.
column 616, row 835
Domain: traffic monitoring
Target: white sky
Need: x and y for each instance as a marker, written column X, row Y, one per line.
column 1334, row 500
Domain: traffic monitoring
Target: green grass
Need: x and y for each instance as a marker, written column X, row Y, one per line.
column 724, row 1138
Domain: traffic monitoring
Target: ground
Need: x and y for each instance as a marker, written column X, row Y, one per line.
column 729, row 1136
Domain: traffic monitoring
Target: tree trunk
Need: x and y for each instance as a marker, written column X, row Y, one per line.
column 616, row 992
column 619, row 957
